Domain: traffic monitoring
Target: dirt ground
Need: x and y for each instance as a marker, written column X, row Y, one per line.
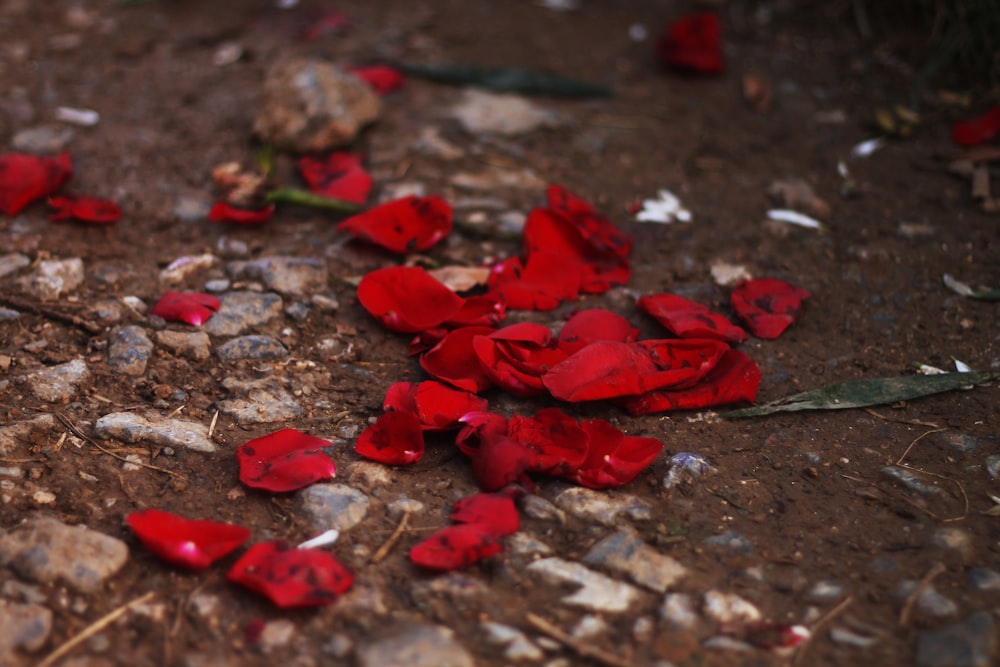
column 805, row 489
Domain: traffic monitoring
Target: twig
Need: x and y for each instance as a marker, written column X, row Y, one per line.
column 824, row 620
column 582, row 648
column 911, row 599
column 93, row 629
column 911, row 422
column 83, row 436
column 961, row 489
column 920, row 437
column 50, row 313
column 384, row 550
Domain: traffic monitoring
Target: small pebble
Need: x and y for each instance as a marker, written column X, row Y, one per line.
column 842, row 635
column 983, row 579
column 910, row 481
column 730, row 608
column 730, row 540
column 967, row 643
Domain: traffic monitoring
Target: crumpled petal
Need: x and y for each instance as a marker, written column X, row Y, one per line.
column 437, row 406
column 541, row 283
column 454, row 360
column 192, row 307
column 27, row 178
column 767, row 305
column 291, row 577
column 613, row 459
column 455, row 547
column 693, row 42
column 407, row 299
column 516, row 357
column 338, row 175
column 226, row 212
column 286, row 460
column 555, row 439
column 396, row 438
column 410, row 224
column 194, row 544
column 495, row 512
column 594, row 324
column 689, row 319
column 85, row 209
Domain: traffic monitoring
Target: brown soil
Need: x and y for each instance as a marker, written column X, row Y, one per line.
column 805, row 489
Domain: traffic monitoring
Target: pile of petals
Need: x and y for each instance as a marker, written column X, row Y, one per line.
column 979, row 130
column 192, row 307
column 479, row 524
column 693, row 43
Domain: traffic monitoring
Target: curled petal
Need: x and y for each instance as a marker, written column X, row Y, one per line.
column 688, row 319
column 192, row 307
column 410, row 224
column 594, row 324
column 495, row 512
column 225, row 212
column 194, row 544
column 339, row 175
column 454, row 360
column 455, row 547
column 407, row 299
column 382, row 78
column 286, row 460
column 27, row 178
column 85, row 209
column 396, row 438
column 767, row 305
column 291, row 577
column 614, row 459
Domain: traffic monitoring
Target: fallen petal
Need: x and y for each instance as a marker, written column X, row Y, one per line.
column 192, row 307
column 27, row 178
column 688, row 319
column 410, row 224
column 291, row 577
column 194, row 544
column 286, row 460
column 396, row 438
column 455, row 547
column 407, row 299
column 767, row 305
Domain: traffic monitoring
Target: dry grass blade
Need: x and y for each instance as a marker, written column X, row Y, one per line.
column 384, row 550
column 92, row 630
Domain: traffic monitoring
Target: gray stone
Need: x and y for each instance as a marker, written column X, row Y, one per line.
column 336, row 506
column 43, row 139
column 730, row 540
column 539, row 508
column 729, row 608
column 263, row 348
column 983, row 579
column 52, row 278
column 596, row 591
column 240, row 311
column 129, row 349
column 450, row 593
column 825, row 591
column 368, row 475
column 525, row 544
column 678, row 611
column 684, row 466
column 276, row 634
column 259, row 401
column 59, row 384
column 192, row 207
column 958, row 442
column 293, row 276
column 930, row 603
column 517, row 646
column 417, row 645
column 130, row 427
column 12, row 262
column 25, row 626
column 45, row 550
column 626, row 554
column 312, row 106
column 842, row 635
column 8, row 314
column 480, row 112
column 953, row 543
column 910, row 481
column 195, row 345
column 12, row 435
column 993, row 465
column 968, row 643
column 604, row 507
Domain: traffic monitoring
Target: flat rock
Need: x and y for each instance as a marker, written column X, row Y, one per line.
column 48, row 138
column 678, row 611
column 11, row 435
column 262, row 348
column 730, row 608
column 730, row 540
column 45, row 550
column 25, row 626
column 12, row 262
column 625, row 553
column 259, row 401
column 195, row 345
column 286, row 275
column 239, row 311
column 517, row 646
column 129, row 349
column 130, row 427
column 59, row 384
column 910, row 481
column 509, row 115
column 52, row 278
column 311, row 106
column 596, row 592
column 968, row 643
column 417, row 645
column 337, row 506
column 604, row 507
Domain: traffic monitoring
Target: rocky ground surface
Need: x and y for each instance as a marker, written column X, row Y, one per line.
column 869, row 528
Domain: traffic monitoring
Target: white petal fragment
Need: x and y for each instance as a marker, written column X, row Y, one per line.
column 794, row 218
column 867, row 148
column 321, row 540
column 956, row 285
column 667, row 208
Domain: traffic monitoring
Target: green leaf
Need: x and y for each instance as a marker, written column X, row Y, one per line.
column 863, row 393
column 502, row 79
column 986, row 295
column 306, row 198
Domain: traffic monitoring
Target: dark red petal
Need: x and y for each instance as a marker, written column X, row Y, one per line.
column 224, row 212
column 454, row 360
column 27, row 178
column 614, row 459
column 556, row 440
column 85, row 209
column 734, row 379
column 338, row 175
column 479, row 426
column 979, row 130
column 407, row 298
column 594, row 324
column 401, row 397
column 291, row 577
column 410, row 224
column 693, row 43
column 689, row 319
column 495, row 512
column 485, row 310
column 396, row 438
column 455, row 547
column 441, row 408
column 499, row 461
column 194, row 544
column 191, row 307
column 382, row 78
column 425, row 340
column 767, row 305
column 600, row 235
column 509, row 364
column 545, row 281
column 699, row 355
column 325, row 24
column 285, row 460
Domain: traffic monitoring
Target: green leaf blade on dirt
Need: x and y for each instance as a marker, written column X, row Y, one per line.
column 503, row 79
column 306, row 198
column 865, row 393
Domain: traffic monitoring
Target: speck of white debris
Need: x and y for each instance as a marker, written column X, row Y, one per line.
column 730, row 608
column 589, row 627
column 725, row 274
column 322, row 540
column 961, row 366
column 81, row 117
column 667, row 208
column 868, row 147
column 637, row 32
column 43, row 497
column 794, row 218
column 956, row 285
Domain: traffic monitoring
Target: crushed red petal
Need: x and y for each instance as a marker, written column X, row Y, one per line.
column 338, row 175
column 979, row 130
column 693, row 43
column 454, row 360
column 495, row 512
column 594, row 324
column 484, row 310
column 194, row 544
column 286, row 460
column 541, row 283
column 438, row 407
column 327, row 23
column 396, row 438
column 192, row 307
column 455, row 547
column 225, row 212
column 410, row 224
column 688, row 319
column 613, row 459
column 407, row 299
column 382, row 78
column 291, row 577
column 85, row 209
column 556, row 441
column 516, row 357
column 479, row 425
column 767, row 305
column 27, row 178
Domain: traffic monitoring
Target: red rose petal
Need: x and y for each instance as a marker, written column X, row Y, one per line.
column 410, row 224
column 495, row 512
column 614, row 459
column 979, row 130
column 286, row 460
column 325, row 24
column 85, row 209
column 382, row 78
column 455, row 547
column 338, row 175
column 500, row 460
column 767, row 305
column 556, row 440
column 407, row 298
column 441, row 408
column 454, row 360
column 194, row 544
column 545, row 281
column 396, row 438
column 688, row 319
column 291, row 577
column 700, row 355
column 225, row 212
column 600, row 234
column 485, row 310
column 191, row 307
column 479, row 426
column 734, row 379
column 27, row 178
column 516, row 357
column 693, row 43
column 594, row 324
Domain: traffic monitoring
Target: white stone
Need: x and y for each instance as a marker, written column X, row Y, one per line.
column 596, row 593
